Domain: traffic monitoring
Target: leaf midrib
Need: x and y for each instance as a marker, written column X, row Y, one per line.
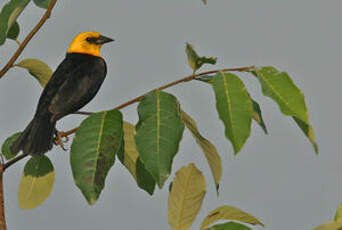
column 276, row 93
column 230, row 114
column 98, row 145
column 183, row 201
column 158, row 133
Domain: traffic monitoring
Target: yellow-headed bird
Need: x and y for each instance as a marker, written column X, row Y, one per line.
column 74, row 83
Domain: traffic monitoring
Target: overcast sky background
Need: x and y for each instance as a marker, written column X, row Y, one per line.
column 277, row 177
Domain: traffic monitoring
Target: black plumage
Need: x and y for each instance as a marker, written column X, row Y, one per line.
column 74, row 83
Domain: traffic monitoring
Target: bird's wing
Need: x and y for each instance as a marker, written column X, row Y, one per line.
column 63, row 72
column 78, row 88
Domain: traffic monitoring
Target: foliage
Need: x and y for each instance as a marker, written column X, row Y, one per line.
column 8, row 17
column 97, row 141
column 5, row 149
column 38, row 69
column 333, row 225
column 36, row 182
column 186, row 196
column 148, row 148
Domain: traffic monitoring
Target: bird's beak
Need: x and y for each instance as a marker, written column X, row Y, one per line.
column 103, row 40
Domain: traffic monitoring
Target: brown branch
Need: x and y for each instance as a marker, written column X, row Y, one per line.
column 2, row 73
column 134, row 100
column 185, row 79
column 27, row 39
column 14, row 160
column 2, row 206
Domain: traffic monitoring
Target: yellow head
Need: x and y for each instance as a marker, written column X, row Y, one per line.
column 88, row 43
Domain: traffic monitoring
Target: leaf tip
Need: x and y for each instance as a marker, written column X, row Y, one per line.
column 91, row 201
column 315, row 145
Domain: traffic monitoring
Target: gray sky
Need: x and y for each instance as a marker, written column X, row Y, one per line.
column 277, row 177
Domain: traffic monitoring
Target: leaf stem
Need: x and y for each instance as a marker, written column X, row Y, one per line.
column 27, row 39
column 185, row 79
column 134, row 100
column 18, row 42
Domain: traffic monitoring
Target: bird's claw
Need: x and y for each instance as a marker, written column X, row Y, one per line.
column 59, row 139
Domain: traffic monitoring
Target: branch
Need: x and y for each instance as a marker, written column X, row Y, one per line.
column 2, row 207
column 134, row 100
column 14, row 160
column 27, row 39
column 185, row 79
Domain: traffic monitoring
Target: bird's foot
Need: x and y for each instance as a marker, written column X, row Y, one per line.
column 59, row 139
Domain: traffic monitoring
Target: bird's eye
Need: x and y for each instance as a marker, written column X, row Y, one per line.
column 88, row 39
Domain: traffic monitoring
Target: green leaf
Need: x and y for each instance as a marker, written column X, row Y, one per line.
column 205, row 2
column 42, row 3
column 206, row 78
column 159, row 132
column 229, row 226
column 6, row 146
column 279, row 86
column 234, row 107
column 186, row 197
column 130, row 159
column 207, row 147
column 257, row 116
column 308, row 131
column 229, row 213
column 195, row 61
column 8, row 16
column 145, row 180
column 13, row 32
column 330, row 226
column 130, row 155
column 38, row 69
column 36, row 182
column 338, row 215
column 98, row 139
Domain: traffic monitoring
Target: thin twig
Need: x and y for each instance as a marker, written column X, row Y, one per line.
column 15, row 57
column 2, row 206
column 185, row 79
column 14, row 160
column 27, row 39
column 134, row 100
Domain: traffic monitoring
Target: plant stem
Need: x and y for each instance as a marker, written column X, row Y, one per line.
column 27, row 39
column 14, row 160
column 134, row 100
column 2, row 206
column 2, row 73
column 185, row 79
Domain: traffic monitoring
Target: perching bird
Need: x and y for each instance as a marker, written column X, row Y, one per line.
column 74, row 83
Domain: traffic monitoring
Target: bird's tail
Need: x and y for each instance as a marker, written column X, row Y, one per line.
column 37, row 138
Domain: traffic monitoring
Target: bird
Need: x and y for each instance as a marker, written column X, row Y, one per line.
column 73, row 84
